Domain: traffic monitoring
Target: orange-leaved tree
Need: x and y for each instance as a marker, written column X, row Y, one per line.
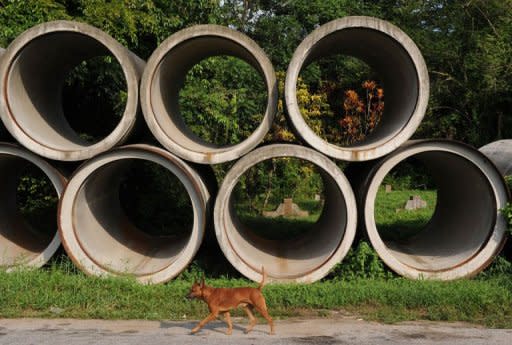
column 361, row 116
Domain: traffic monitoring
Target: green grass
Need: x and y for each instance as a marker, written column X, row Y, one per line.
column 280, row 228
column 61, row 291
column 394, row 222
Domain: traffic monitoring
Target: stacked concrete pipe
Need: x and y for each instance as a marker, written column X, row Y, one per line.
column 466, row 230
column 99, row 237
column 3, row 131
column 164, row 77
column 500, row 153
column 397, row 60
column 32, row 73
column 21, row 243
column 304, row 259
column 464, row 234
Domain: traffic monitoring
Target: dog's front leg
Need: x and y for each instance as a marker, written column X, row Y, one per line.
column 227, row 317
column 201, row 324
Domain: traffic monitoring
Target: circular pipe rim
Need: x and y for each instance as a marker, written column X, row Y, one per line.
column 500, row 153
column 198, row 194
column 120, row 53
column 383, row 146
column 224, row 153
column 222, row 204
column 58, row 181
column 485, row 254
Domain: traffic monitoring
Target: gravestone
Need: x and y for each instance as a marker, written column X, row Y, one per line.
column 415, row 202
column 287, row 209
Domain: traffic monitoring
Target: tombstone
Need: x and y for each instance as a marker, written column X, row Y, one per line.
column 388, row 188
column 415, row 202
column 287, row 209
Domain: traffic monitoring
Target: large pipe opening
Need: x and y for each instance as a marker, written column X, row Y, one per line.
column 28, row 198
column 34, row 72
column 392, row 55
column 466, row 229
column 304, row 258
column 164, row 78
column 104, row 233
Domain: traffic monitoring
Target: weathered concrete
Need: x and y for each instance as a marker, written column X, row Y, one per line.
column 99, row 237
column 397, row 61
column 164, row 77
column 466, row 230
column 500, row 153
column 3, row 131
column 20, row 243
column 304, row 259
column 32, row 72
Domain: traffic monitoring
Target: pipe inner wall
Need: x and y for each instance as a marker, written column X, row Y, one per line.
column 397, row 61
column 22, row 243
column 99, row 236
column 466, row 229
column 305, row 258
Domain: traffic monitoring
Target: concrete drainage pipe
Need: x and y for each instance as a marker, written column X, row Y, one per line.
column 22, row 243
column 98, row 234
column 500, row 153
column 165, row 75
column 3, row 132
column 32, row 75
column 397, row 61
column 306, row 258
column 466, row 230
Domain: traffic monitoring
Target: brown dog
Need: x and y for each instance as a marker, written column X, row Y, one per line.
column 222, row 300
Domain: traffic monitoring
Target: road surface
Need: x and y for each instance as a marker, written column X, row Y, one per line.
column 290, row 332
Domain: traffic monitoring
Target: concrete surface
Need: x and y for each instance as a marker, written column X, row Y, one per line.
column 305, row 258
column 22, row 243
column 466, row 230
column 291, row 332
column 99, row 237
column 500, row 153
column 392, row 55
column 165, row 75
column 33, row 69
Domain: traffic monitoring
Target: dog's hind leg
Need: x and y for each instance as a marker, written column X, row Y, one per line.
column 252, row 319
column 262, row 309
column 201, row 324
column 227, row 318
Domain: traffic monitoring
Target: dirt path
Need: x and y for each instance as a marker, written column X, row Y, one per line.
column 295, row 331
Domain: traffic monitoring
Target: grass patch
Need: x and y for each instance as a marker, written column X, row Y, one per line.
column 280, row 228
column 394, row 222
column 61, row 291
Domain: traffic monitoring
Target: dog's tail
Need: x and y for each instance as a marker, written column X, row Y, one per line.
column 264, row 277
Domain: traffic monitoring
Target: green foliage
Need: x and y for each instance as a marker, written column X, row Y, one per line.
column 361, row 262
column 265, row 185
column 507, row 210
column 94, row 97
column 37, row 200
column 223, row 100
column 155, row 200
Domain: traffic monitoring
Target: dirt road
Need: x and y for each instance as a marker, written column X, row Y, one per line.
column 294, row 331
